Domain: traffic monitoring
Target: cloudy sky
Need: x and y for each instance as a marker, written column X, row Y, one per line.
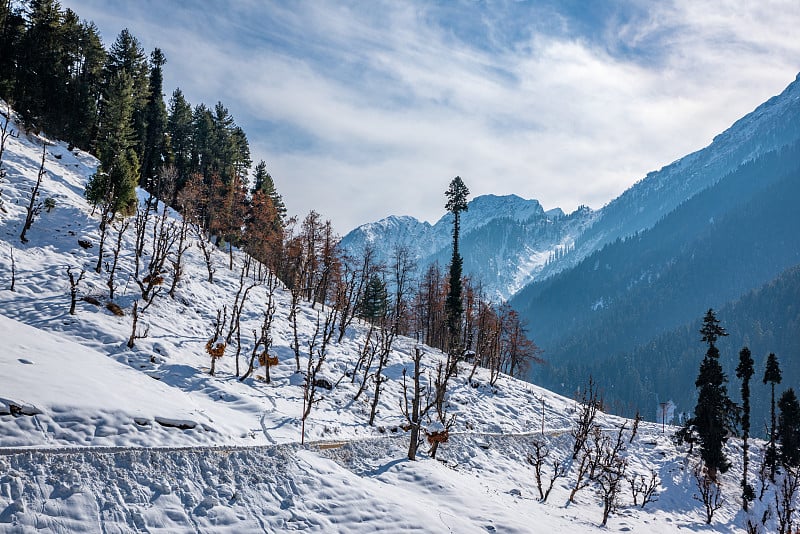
column 367, row 108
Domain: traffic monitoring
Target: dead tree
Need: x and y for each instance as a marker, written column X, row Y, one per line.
column 384, row 342
column 589, row 402
column 785, row 497
column 443, row 374
column 612, row 472
column 181, row 246
column 265, row 337
column 643, row 488
column 421, row 404
column 5, row 133
column 73, row 288
column 709, row 491
column 121, row 228
column 536, row 459
column 13, row 271
column 34, row 207
column 214, row 346
column 317, row 353
column 206, row 248
column 240, row 299
column 135, row 332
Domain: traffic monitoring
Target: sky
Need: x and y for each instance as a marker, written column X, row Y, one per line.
column 364, row 109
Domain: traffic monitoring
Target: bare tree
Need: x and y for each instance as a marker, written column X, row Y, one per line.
column 214, row 346
column 34, row 207
column 538, row 459
column 612, row 473
column 644, row 488
column 421, row 403
column 234, row 327
column 264, row 339
column 73, row 288
column 589, row 403
column 13, row 271
column 317, row 353
column 710, row 492
column 5, row 133
column 121, row 228
column 785, row 499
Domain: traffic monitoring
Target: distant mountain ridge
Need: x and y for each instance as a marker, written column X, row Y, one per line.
column 505, row 240
column 509, row 242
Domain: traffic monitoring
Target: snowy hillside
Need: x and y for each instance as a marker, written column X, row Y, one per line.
column 99, row 437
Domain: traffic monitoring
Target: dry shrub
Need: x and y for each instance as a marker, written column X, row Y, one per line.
column 438, row 437
column 157, row 280
column 265, row 359
column 114, row 308
column 215, row 350
column 91, row 300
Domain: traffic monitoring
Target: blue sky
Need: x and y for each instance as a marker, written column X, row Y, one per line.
column 368, row 108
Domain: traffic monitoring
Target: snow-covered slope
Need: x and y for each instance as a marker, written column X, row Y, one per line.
column 97, row 437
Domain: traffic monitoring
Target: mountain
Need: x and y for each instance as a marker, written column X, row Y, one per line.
column 505, row 240
column 510, row 243
column 734, row 236
column 97, row 436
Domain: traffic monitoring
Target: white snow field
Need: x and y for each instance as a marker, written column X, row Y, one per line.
column 96, row 437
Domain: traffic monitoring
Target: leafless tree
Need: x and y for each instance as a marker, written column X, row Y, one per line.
column 234, row 327
column 612, row 472
column 538, row 459
column 5, row 133
column 785, row 498
column 34, row 207
column 13, row 271
column 589, row 403
column 421, row 403
column 122, row 226
column 264, row 338
column 73, row 288
column 709, row 491
column 644, row 488
column 317, row 354
column 214, row 346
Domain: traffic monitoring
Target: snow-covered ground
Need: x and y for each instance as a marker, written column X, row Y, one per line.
column 97, row 437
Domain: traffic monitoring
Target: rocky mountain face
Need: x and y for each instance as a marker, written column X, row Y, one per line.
column 505, row 240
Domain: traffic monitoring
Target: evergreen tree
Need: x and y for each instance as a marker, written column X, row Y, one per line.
column 113, row 186
column 772, row 375
column 155, row 147
column 180, row 128
column 789, row 429
column 456, row 203
column 12, row 30
column 127, row 55
column 745, row 371
column 263, row 182
column 711, row 421
column 374, row 304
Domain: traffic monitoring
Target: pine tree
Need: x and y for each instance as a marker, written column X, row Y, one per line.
column 456, row 203
column 789, row 429
column 745, row 371
column 127, row 55
column 374, row 304
column 263, row 182
column 180, row 128
column 711, row 412
column 155, row 148
column 113, row 186
column 772, row 374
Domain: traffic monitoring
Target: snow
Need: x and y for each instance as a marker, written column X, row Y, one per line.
column 97, row 437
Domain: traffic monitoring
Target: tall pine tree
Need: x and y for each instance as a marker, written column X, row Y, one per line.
column 456, row 195
column 263, row 182
column 154, row 153
column 744, row 372
column 772, row 375
column 711, row 418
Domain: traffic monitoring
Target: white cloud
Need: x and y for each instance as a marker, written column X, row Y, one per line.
column 392, row 105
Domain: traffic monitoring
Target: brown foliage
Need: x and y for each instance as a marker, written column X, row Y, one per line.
column 114, row 308
column 215, row 349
